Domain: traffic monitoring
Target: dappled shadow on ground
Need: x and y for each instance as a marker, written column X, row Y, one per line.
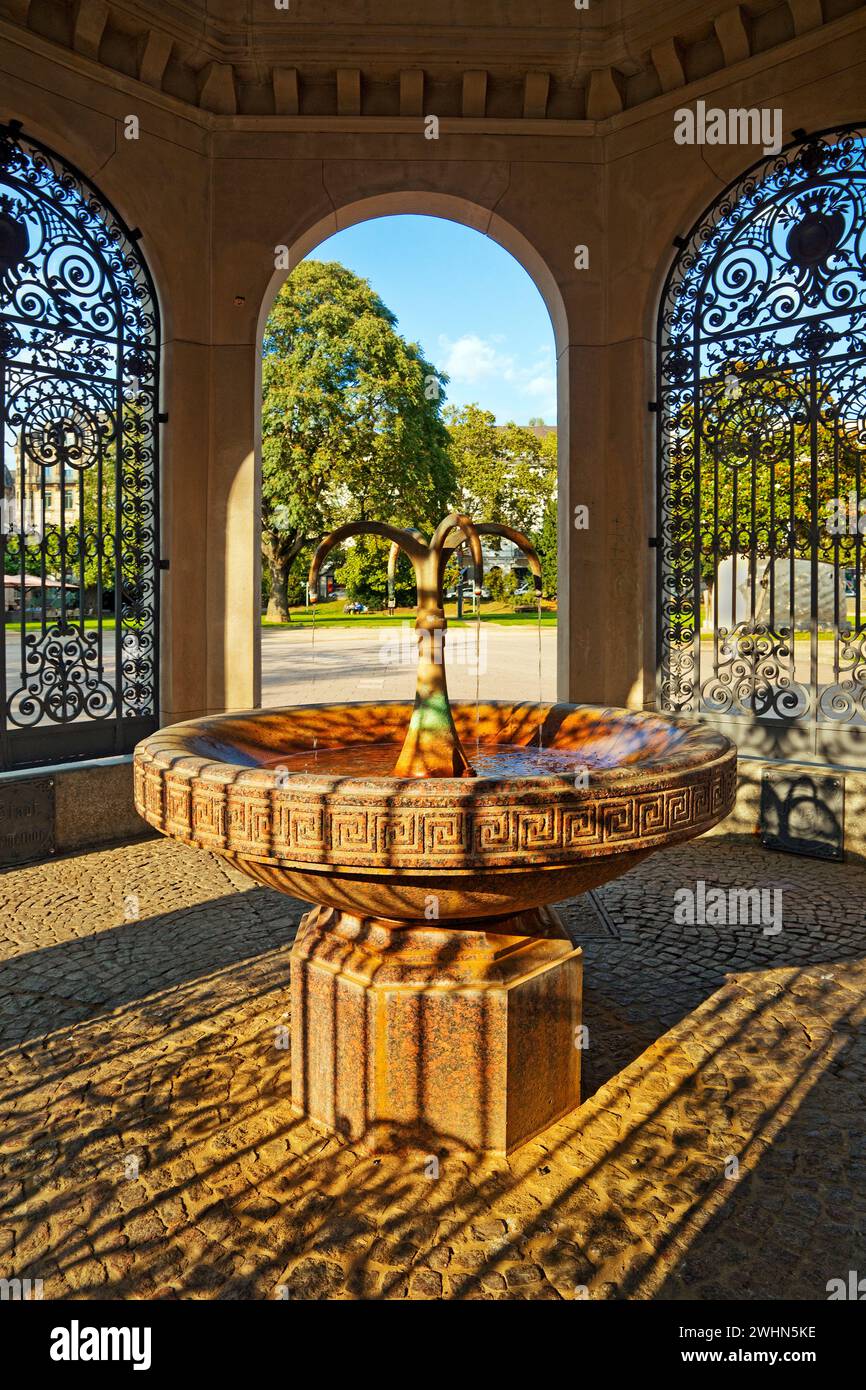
column 150, row 1149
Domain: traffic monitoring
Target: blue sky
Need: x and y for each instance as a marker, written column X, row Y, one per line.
column 471, row 306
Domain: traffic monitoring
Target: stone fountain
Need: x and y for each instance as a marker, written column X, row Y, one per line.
column 436, row 997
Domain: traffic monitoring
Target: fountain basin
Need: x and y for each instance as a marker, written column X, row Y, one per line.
column 246, row 786
column 436, row 996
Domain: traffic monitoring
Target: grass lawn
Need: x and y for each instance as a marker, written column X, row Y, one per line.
column 108, row 624
column 332, row 615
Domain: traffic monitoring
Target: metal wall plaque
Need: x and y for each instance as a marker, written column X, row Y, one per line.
column 26, row 819
column 803, row 813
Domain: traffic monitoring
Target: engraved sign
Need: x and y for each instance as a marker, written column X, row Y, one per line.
column 26, row 819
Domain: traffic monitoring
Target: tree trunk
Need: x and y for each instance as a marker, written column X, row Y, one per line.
column 278, row 604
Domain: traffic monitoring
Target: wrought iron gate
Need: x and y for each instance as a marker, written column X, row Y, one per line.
column 79, row 535
column 762, row 431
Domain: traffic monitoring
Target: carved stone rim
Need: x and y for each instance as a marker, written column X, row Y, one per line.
column 331, row 824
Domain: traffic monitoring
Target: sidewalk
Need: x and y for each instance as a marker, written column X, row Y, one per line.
column 149, row 1147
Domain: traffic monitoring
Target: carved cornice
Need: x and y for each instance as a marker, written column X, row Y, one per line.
column 369, row 60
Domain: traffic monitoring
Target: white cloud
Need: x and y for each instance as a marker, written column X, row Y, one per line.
column 471, row 360
column 541, row 386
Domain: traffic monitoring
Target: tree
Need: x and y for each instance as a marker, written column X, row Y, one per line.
column 502, row 585
column 504, row 473
column 507, row 474
column 545, row 543
column 364, row 574
column 351, row 419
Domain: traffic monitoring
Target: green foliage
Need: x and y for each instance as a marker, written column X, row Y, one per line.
column 364, row 574
column 99, row 562
column 544, row 541
column 12, row 557
column 756, row 469
column 451, row 574
column 85, row 547
column 506, row 475
column 502, row 585
column 296, row 581
column 351, row 418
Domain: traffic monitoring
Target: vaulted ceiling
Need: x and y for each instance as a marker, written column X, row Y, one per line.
column 476, row 58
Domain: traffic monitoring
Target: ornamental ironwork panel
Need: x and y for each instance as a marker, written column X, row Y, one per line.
column 762, row 430
column 79, row 343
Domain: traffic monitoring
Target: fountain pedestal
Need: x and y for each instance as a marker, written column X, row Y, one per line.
column 412, row 1033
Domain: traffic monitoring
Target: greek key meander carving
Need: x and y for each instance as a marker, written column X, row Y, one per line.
column 310, row 828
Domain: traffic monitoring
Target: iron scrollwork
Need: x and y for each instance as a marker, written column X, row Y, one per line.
column 762, row 429
column 79, row 343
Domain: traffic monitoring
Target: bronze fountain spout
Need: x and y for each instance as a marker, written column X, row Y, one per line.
column 432, row 746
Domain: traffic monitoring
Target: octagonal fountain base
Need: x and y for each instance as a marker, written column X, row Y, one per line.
column 464, row 1035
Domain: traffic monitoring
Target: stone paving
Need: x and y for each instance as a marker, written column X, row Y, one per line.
column 148, row 1148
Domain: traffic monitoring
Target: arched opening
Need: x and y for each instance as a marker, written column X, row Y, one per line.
column 79, row 539
column 539, row 285
column 761, row 491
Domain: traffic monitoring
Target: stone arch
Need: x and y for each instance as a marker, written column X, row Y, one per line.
column 451, row 208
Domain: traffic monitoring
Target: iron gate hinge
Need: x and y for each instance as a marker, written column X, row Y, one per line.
column 165, row 564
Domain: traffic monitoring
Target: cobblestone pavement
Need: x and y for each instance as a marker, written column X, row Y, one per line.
column 149, row 1149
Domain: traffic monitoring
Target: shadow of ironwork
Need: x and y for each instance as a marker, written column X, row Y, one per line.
column 237, row 1197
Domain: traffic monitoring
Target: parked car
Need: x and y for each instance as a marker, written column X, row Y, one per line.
column 468, row 590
